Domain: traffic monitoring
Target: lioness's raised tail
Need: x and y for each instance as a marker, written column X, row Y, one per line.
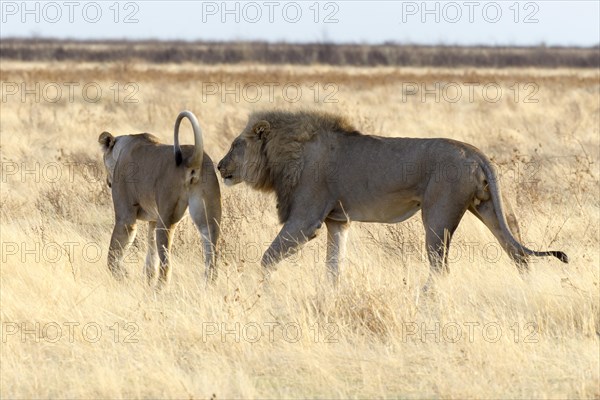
column 195, row 160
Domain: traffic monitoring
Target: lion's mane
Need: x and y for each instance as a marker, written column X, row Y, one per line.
column 275, row 161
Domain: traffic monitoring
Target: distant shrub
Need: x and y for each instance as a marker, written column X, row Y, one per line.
column 388, row 54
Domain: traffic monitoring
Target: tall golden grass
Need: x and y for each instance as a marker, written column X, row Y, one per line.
column 70, row 331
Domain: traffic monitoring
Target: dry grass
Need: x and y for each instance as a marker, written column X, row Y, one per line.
column 375, row 337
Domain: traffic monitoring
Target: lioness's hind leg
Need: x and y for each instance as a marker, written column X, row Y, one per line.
column 122, row 237
column 164, row 234
column 207, row 217
column 486, row 213
column 151, row 265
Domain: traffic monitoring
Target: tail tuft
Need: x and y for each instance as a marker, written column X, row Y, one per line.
column 561, row 256
column 178, row 158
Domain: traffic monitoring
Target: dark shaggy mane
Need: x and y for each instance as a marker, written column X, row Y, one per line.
column 277, row 161
column 305, row 123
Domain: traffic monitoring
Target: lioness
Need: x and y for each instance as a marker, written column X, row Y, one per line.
column 323, row 170
column 156, row 182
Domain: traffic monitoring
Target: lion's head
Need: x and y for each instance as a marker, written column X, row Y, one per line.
column 268, row 154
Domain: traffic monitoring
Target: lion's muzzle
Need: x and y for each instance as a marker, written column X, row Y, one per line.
column 226, row 174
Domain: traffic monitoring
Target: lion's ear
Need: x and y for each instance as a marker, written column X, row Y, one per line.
column 261, row 129
column 106, row 140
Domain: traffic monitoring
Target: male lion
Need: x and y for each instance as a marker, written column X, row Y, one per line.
column 156, row 182
column 323, row 170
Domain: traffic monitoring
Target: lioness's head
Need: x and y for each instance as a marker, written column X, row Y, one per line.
column 107, row 143
column 245, row 160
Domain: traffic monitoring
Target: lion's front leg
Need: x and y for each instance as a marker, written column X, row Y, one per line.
column 337, row 234
column 289, row 240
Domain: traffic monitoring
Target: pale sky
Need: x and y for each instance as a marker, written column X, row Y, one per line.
column 432, row 22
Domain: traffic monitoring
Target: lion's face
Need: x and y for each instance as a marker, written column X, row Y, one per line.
column 231, row 165
column 244, row 161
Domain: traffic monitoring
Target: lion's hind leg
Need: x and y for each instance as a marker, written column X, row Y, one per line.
column 441, row 216
column 440, row 221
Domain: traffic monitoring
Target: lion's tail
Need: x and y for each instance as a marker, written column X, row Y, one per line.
column 492, row 179
column 195, row 159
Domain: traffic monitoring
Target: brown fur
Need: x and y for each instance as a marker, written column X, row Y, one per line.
column 155, row 182
column 323, row 170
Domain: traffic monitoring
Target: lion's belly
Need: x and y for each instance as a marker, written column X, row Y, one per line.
column 388, row 209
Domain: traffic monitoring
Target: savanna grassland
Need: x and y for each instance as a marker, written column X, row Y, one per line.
column 69, row 330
